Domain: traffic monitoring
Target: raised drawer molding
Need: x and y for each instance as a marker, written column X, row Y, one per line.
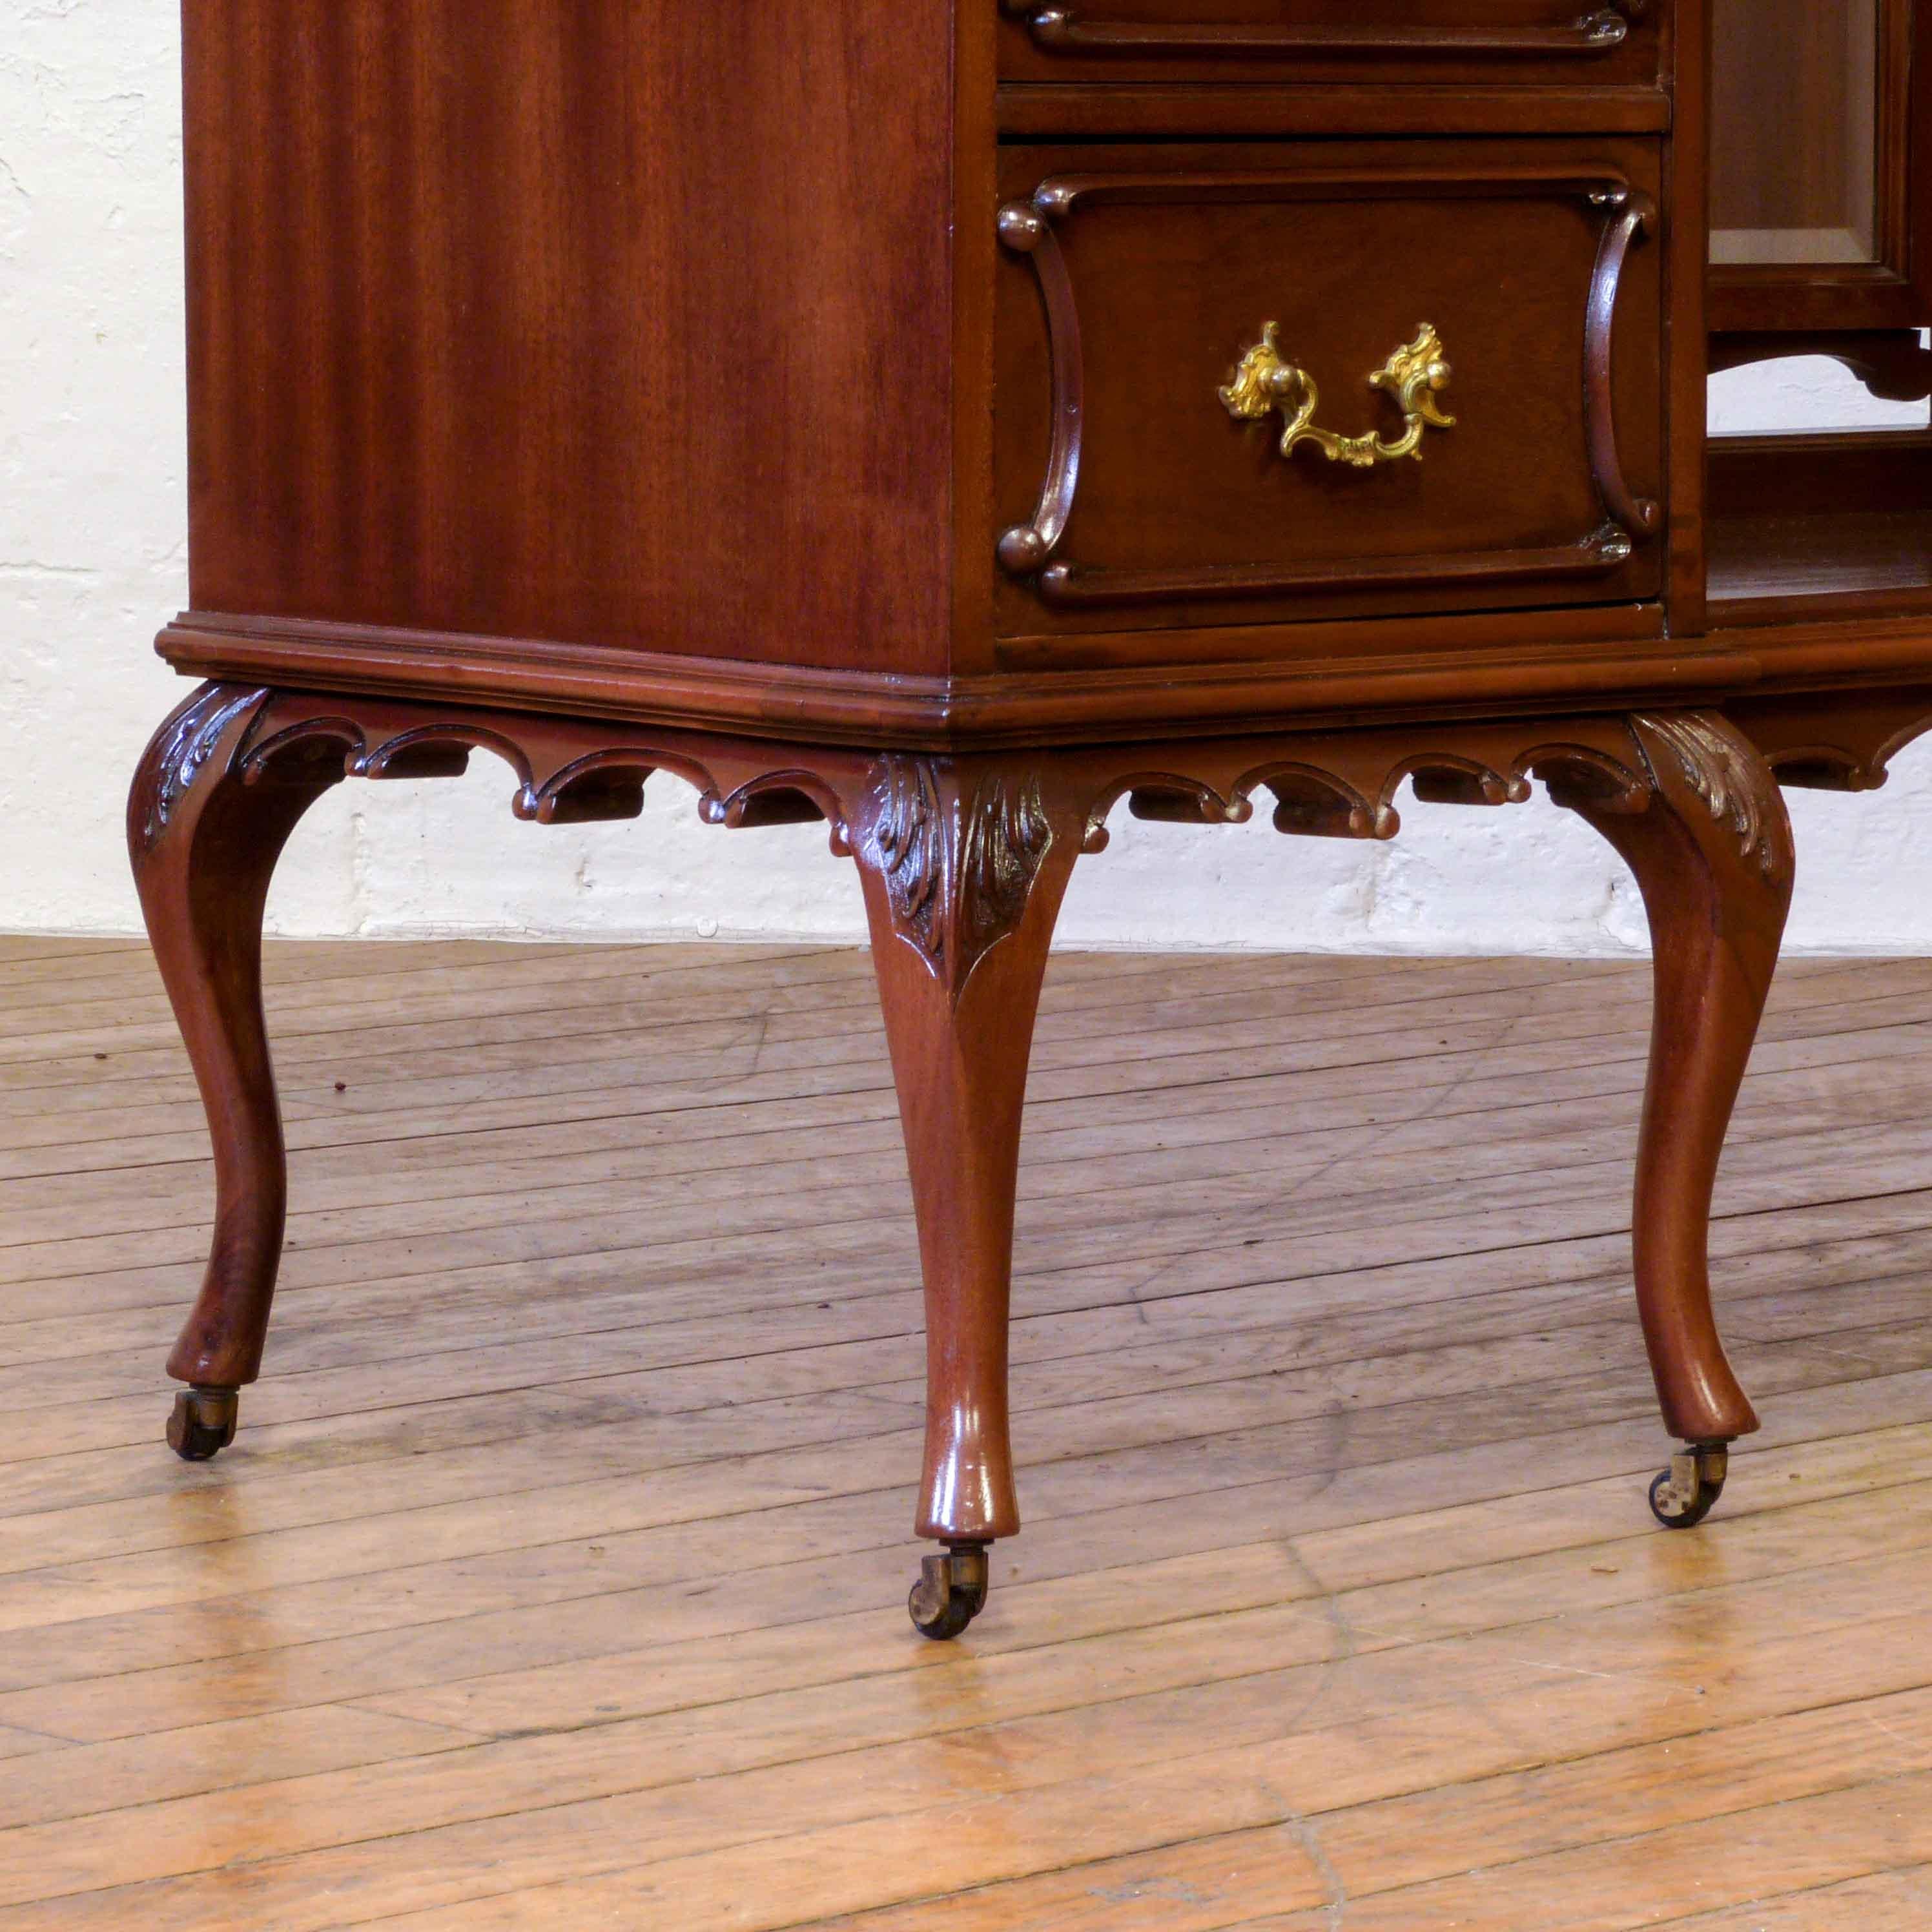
column 1518, row 39
column 1153, row 279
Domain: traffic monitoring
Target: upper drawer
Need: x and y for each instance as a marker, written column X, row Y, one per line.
column 1326, row 380
column 1572, row 43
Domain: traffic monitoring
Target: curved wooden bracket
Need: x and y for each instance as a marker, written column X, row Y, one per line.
column 1075, row 30
column 1344, row 784
column 1633, row 216
column 567, row 772
column 1835, row 741
column 1893, row 363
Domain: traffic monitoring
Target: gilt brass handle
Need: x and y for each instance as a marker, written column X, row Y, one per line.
column 1415, row 375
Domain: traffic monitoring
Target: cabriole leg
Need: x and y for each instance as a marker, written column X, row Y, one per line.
column 965, row 862
column 1713, row 857
column 204, row 846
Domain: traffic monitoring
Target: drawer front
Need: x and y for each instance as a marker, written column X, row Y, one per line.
column 1568, row 43
column 1313, row 381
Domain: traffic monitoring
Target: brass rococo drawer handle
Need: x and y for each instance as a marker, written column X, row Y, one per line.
column 1415, row 375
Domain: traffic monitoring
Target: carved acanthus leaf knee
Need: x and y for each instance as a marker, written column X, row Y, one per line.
column 1723, row 767
column 959, row 852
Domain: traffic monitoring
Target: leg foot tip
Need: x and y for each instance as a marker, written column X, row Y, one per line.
column 202, row 1423
column 1684, row 1494
column 951, row 1591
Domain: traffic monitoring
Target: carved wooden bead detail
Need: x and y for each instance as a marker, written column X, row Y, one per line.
column 191, row 739
column 1724, row 769
column 958, row 873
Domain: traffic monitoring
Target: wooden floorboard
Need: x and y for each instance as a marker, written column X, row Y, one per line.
column 556, row 1578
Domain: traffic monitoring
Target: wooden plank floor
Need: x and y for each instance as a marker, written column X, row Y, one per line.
column 557, row 1578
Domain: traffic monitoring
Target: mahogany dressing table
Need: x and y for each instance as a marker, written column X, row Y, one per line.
column 954, row 420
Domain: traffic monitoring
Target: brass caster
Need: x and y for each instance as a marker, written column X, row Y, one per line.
column 202, row 1424
column 1687, row 1492
column 951, row 1591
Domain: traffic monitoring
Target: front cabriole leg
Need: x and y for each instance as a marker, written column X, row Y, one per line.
column 965, row 861
column 204, row 845
column 1713, row 857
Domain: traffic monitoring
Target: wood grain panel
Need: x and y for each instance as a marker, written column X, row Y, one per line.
column 507, row 318
column 1524, row 43
column 1159, row 269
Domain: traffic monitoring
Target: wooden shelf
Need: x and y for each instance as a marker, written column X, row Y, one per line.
column 1860, row 559
column 1805, row 527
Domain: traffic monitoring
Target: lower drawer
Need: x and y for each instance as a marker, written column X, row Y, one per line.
column 1243, row 384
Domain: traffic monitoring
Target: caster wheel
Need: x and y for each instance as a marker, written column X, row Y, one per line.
column 1687, row 1492
column 202, row 1424
column 951, row 1591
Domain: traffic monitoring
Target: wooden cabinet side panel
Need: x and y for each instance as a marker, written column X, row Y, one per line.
column 597, row 323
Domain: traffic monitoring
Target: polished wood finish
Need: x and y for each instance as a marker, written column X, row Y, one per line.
column 1684, row 247
column 204, row 851
column 964, row 865
column 1811, row 132
column 553, row 1578
column 1713, row 857
column 461, row 361
column 1821, row 525
column 1840, row 741
column 1506, row 42
column 822, row 406
column 1233, row 677
column 1777, row 565
column 1800, row 139
column 1782, row 66
column 1115, row 109
column 965, row 862
column 695, row 533
column 1138, row 279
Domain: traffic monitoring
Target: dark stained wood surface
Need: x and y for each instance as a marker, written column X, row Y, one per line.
column 1790, row 138
column 1812, row 528
column 1769, row 564
column 1119, row 109
column 964, row 861
column 1117, row 685
column 643, row 362
column 1784, row 69
column 1497, row 43
column 545, row 1584
column 515, row 321
column 1174, row 260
